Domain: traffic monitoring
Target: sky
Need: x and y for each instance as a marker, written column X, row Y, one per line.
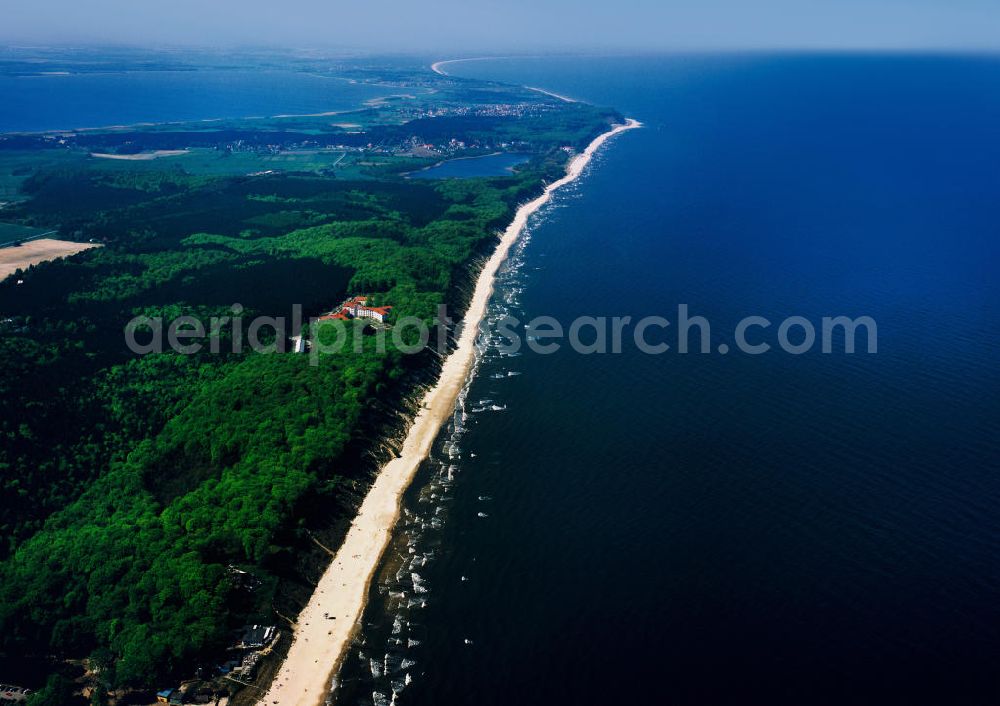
column 489, row 26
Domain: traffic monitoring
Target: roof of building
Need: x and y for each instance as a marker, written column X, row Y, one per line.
column 355, row 306
column 258, row 634
column 334, row 315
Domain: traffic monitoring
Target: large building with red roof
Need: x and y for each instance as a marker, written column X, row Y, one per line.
column 357, row 308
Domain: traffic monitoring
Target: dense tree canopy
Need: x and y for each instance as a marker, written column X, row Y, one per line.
column 137, row 492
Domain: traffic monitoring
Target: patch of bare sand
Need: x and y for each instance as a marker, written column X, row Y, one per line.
column 20, row 257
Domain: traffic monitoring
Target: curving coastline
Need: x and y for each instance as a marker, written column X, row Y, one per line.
column 327, row 623
column 436, row 66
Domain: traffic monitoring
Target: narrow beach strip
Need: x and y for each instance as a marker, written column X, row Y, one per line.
column 565, row 99
column 436, row 66
column 326, row 625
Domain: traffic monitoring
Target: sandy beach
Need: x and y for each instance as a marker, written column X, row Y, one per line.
column 436, row 66
column 34, row 252
column 560, row 96
column 327, row 623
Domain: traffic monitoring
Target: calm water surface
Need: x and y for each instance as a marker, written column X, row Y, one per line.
column 58, row 102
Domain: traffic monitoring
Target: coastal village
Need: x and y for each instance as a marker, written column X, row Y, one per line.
column 256, row 642
column 215, row 686
column 350, row 138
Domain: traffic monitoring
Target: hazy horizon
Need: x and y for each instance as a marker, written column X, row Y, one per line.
column 516, row 26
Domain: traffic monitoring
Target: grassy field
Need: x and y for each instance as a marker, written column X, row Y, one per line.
column 210, row 162
column 15, row 166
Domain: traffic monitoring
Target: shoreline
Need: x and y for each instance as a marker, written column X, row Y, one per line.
column 565, row 99
column 365, row 105
column 327, row 623
column 436, row 68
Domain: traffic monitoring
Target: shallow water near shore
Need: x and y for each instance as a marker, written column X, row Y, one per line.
column 727, row 528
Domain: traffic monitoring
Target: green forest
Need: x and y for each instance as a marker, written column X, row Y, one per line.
column 138, row 493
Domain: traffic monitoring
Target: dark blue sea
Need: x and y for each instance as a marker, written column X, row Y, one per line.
column 727, row 528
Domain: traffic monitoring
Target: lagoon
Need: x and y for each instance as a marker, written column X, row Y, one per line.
column 89, row 100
